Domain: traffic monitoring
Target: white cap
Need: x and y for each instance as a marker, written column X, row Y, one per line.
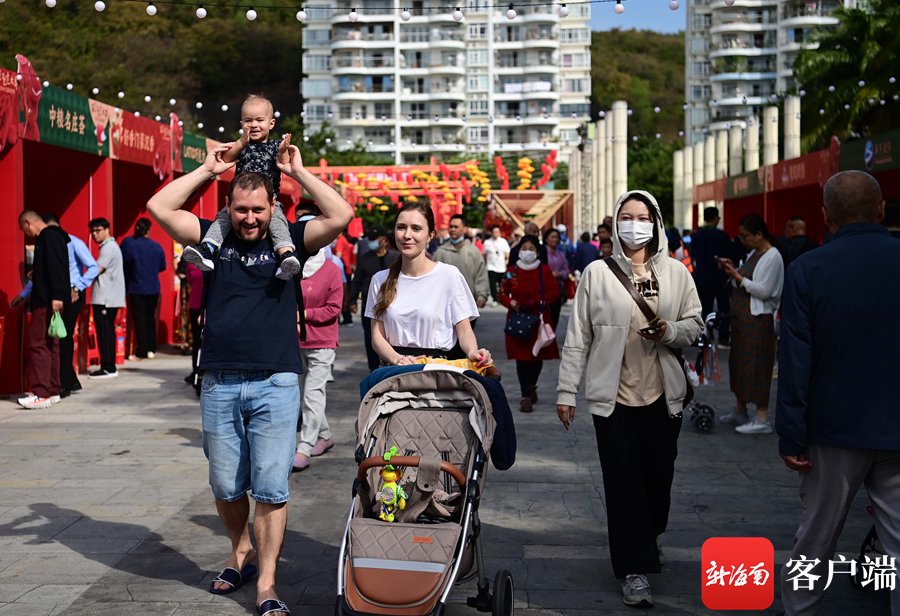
column 561, row 228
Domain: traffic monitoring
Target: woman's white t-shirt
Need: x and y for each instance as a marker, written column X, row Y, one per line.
column 425, row 309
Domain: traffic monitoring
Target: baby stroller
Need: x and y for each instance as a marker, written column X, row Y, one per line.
column 707, row 371
column 438, row 423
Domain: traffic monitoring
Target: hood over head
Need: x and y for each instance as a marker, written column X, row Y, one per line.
column 659, row 231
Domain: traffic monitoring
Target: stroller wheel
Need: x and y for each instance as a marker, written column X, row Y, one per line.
column 703, row 418
column 502, row 600
column 872, row 549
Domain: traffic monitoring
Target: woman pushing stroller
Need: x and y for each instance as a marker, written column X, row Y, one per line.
column 419, row 307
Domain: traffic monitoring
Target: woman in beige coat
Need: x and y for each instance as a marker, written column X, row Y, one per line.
column 635, row 385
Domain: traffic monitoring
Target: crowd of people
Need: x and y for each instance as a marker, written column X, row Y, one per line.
column 639, row 295
column 61, row 271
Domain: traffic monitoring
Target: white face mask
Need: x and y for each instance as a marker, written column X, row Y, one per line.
column 527, row 256
column 635, row 234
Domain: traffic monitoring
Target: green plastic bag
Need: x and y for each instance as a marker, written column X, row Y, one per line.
column 57, row 328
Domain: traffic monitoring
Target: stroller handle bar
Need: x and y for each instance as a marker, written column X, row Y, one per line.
column 374, row 461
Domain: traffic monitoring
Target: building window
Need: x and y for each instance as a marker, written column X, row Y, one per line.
column 316, row 63
column 477, row 57
column 316, row 37
column 478, row 108
column 478, row 134
column 477, row 31
column 316, row 88
column 477, row 83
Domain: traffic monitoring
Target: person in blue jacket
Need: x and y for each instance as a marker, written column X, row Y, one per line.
column 838, row 404
column 143, row 259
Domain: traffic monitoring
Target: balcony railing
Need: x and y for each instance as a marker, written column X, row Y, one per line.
column 366, row 62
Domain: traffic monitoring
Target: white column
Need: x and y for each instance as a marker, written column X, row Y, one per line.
column 699, row 150
column 688, row 187
column 603, row 204
column 752, row 148
column 791, row 127
column 735, row 151
column 610, row 197
column 770, row 136
column 721, row 154
column 575, row 174
column 709, row 158
column 620, row 148
column 678, row 186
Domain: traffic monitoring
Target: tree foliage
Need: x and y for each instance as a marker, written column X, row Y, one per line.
column 863, row 47
column 644, row 68
column 217, row 60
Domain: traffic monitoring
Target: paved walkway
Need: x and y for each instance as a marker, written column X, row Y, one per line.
column 104, row 507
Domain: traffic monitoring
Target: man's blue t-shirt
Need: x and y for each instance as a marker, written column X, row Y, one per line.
column 251, row 316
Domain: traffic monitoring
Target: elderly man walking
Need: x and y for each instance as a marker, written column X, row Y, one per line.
column 250, row 398
column 837, row 413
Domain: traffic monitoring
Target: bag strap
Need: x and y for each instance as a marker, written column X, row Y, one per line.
column 652, row 317
column 640, row 301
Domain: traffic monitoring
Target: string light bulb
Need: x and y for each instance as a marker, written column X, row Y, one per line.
column 200, row 125
column 861, row 83
column 69, row 87
column 353, row 15
column 729, row 2
column 221, row 129
column 121, row 94
column 95, row 91
column 251, row 15
column 405, row 15
column 151, row 9
column 172, row 102
column 674, row 5
column 200, row 12
column 99, row 6
column 511, row 12
column 620, row 8
column 457, row 14
column 199, row 105
column 301, row 14
column 563, row 10
column 224, row 107
column 50, row 3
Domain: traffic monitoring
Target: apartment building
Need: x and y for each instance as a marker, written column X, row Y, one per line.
column 428, row 80
column 740, row 58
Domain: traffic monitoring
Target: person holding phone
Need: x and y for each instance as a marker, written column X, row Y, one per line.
column 757, row 294
column 636, row 385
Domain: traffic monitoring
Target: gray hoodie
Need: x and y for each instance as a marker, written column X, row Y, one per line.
column 601, row 319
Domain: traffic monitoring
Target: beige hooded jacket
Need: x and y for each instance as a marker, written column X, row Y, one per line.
column 601, row 318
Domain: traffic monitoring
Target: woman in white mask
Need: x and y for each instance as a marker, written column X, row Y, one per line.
column 635, row 384
column 529, row 287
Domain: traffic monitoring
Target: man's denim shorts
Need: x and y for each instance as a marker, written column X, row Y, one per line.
column 250, row 432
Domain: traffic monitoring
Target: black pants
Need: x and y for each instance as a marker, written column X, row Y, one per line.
column 555, row 309
column 638, row 447
column 68, row 378
column 721, row 295
column 371, row 356
column 143, row 311
column 346, row 314
column 196, row 332
column 528, row 373
column 105, row 324
column 495, row 279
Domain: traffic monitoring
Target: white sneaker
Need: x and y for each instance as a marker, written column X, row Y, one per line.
column 636, row 591
column 28, row 397
column 755, row 426
column 150, row 354
column 41, row 403
column 734, row 419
